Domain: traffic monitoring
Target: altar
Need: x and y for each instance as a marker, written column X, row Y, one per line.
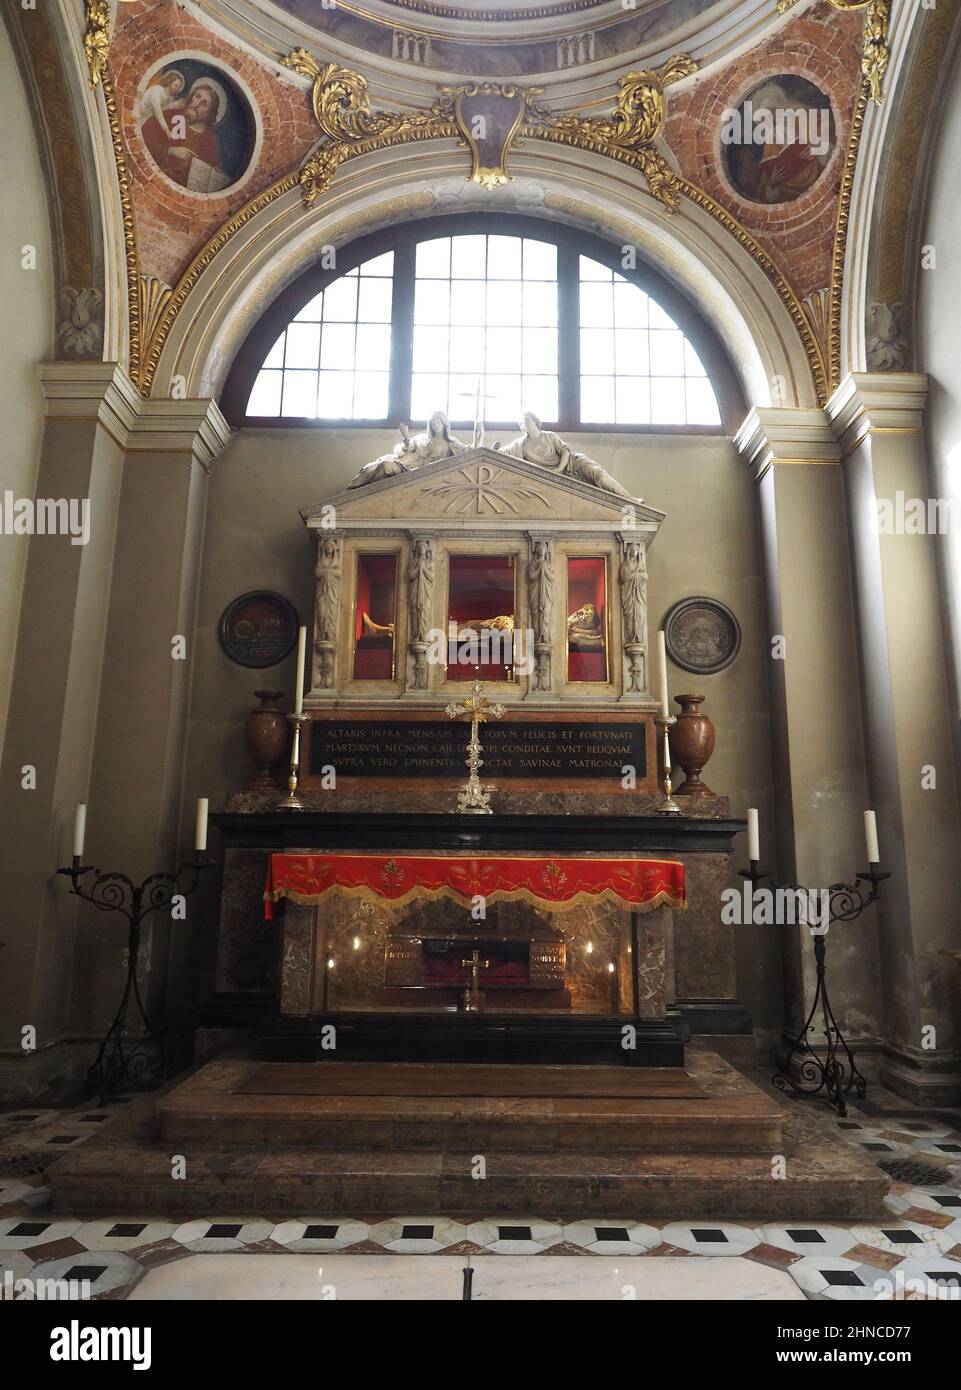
column 472, row 931
column 478, row 819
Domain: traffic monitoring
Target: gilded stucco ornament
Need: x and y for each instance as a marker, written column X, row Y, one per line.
column 96, row 38
column 874, row 58
column 341, row 105
column 629, row 132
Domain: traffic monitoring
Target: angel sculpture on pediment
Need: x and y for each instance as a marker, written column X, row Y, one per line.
column 546, row 448
column 412, row 450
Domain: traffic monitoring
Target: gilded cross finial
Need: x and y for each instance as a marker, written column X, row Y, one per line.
column 473, row 798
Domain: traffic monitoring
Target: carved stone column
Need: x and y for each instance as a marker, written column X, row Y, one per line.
column 328, row 591
column 420, row 612
column 540, row 597
column 633, row 583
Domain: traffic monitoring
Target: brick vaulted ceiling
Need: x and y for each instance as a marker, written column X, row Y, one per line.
column 267, row 128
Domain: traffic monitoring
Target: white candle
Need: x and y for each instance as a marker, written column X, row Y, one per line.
column 200, row 840
column 871, row 837
column 753, row 836
column 79, row 830
column 301, row 661
column 662, row 663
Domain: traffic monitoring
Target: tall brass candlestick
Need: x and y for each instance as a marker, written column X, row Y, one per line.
column 668, row 806
column 292, row 802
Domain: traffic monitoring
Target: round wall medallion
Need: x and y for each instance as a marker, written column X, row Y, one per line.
column 197, row 124
column 702, row 635
column 779, row 141
column 259, row 628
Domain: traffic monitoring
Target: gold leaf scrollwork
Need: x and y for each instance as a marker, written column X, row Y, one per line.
column 96, row 38
column 341, row 106
column 875, row 55
column 629, row 132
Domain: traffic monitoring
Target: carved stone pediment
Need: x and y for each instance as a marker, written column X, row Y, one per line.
column 478, row 487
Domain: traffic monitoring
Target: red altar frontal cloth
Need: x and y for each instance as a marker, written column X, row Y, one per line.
column 559, row 881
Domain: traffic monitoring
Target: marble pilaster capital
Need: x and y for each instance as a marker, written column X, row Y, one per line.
column 876, row 403
column 103, row 391
column 773, row 435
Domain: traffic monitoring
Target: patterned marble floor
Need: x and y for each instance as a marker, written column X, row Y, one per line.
column 915, row 1251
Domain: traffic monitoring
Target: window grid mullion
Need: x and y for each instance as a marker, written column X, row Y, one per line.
column 568, row 338
column 402, row 333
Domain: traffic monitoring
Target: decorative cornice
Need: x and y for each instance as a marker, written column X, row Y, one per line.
column 100, row 391
column 103, row 391
column 876, row 403
column 194, row 426
column 777, row 435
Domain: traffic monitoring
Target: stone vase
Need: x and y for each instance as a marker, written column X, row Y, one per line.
column 266, row 732
column 692, row 743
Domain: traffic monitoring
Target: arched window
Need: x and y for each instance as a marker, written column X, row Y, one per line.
column 526, row 317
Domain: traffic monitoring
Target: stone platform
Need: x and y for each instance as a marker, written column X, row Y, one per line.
column 353, row 1139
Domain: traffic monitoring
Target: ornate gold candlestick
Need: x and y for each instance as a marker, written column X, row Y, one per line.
column 668, row 806
column 473, row 799
column 292, row 801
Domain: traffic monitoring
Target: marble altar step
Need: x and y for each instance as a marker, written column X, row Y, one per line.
column 821, row 1177
column 471, row 1079
column 466, row 1108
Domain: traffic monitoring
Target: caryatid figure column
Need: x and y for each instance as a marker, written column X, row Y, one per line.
column 540, row 597
column 633, row 584
column 420, row 612
column 328, row 591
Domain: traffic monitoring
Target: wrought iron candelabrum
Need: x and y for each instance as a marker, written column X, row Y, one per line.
column 133, row 1053
column 808, row 1068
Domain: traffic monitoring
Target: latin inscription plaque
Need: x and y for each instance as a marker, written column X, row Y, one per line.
column 411, row 748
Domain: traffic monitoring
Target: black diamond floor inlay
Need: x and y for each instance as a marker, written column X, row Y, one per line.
column 29, row 1228
column 806, row 1237
column 223, row 1232
column 125, row 1230
column 708, row 1236
column 320, row 1232
column 953, row 1200
column 417, row 1233
column 839, row 1278
column 902, row 1237
column 611, row 1233
column 514, row 1233
column 91, row 1273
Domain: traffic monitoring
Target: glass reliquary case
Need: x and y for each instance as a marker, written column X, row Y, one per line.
column 480, row 568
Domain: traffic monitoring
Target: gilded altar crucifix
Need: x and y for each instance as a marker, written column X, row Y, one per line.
column 473, row 798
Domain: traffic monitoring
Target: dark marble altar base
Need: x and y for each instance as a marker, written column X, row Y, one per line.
column 702, row 957
column 441, row 1038
column 824, row 1177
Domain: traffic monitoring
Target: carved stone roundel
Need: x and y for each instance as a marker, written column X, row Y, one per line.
column 702, row 635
